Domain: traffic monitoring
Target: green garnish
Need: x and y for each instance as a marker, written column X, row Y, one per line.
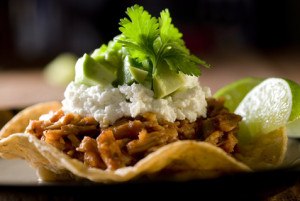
column 157, row 40
column 149, row 51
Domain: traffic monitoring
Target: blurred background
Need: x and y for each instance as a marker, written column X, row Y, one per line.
column 239, row 38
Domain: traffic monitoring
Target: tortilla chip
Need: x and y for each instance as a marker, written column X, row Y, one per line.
column 265, row 152
column 181, row 160
column 20, row 121
column 196, row 159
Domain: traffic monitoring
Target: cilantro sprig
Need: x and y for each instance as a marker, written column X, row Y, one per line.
column 146, row 37
column 149, row 51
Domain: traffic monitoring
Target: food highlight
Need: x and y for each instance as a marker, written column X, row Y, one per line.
column 136, row 108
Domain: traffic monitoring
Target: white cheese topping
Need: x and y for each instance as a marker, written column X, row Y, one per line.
column 109, row 104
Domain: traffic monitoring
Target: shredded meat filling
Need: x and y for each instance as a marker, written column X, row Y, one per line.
column 109, row 150
column 92, row 157
column 129, row 140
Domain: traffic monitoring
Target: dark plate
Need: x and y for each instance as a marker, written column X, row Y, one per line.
column 254, row 186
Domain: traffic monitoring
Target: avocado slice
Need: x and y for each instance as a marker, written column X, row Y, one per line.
column 166, row 81
column 129, row 74
column 109, row 54
column 128, row 77
column 88, row 71
column 123, row 74
column 111, row 60
column 138, row 74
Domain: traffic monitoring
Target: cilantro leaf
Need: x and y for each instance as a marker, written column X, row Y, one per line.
column 167, row 30
column 147, row 38
column 179, row 59
column 173, row 50
column 140, row 33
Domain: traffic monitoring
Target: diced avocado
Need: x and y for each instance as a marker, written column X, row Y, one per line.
column 88, row 71
column 128, row 74
column 109, row 58
column 98, row 55
column 148, row 82
column 138, row 74
column 128, row 77
column 166, row 81
column 101, row 58
column 111, row 52
column 99, row 51
column 114, row 58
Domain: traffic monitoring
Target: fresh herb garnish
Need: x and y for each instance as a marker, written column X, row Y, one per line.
column 149, row 51
column 145, row 37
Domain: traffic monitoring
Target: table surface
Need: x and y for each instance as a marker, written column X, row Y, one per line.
column 19, row 89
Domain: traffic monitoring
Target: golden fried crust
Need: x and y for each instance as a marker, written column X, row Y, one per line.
column 198, row 159
column 19, row 122
column 180, row 160
column 266, row 151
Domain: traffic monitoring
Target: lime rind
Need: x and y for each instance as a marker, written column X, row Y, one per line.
column 295, row 90
column 293, row 124
column 293, row 128
column 235, row 92
column 265, row 108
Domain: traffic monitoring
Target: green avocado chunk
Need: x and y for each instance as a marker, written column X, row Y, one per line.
column 128, row 77
column 111, row 59
column 88, row 71
column 129, row 73
column 134, row 73
column 166, row 81
column 138, row 74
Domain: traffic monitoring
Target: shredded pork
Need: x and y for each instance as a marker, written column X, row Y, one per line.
column 129, row 140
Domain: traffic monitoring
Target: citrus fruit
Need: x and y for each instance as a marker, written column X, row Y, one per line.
column 236, row 91
column 273, row 103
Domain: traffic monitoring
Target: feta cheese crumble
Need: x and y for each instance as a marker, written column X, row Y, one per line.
column 108, row 104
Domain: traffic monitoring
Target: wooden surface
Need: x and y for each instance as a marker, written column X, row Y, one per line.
column 19, row 89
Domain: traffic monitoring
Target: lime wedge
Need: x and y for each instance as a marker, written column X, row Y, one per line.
column 295, row 90
column 236, row 91
column 293, row 128
column 271, row 104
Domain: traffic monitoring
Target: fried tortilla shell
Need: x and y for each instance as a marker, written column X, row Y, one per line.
column 266, row 151
column 20, row 121
column 192, row 159
column 181, row 160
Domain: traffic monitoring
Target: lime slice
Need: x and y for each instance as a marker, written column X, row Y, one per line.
column 236, row 91
column 293, row 129
column 268, row 106
column 295, row 90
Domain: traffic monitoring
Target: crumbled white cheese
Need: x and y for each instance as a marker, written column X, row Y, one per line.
column 109, row 104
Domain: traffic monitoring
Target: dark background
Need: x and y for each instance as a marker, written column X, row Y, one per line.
column 33, row 32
